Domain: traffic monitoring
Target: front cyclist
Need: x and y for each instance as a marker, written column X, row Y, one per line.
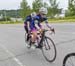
column 41, row 17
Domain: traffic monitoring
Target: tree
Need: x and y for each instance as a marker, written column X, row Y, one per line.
column 36, row 5
column 53, row 9
column 71, row 8
column 25, row 9
column 45, row 5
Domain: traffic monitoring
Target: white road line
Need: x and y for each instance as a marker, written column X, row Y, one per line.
column 12, row 55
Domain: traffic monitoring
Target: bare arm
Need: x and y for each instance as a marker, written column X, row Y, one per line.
column 28, row 25
column 51, row 28
column 47, row 24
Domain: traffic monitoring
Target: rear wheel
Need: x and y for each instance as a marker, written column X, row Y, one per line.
column 25, row 37
column 49, row 49
column 27, row 42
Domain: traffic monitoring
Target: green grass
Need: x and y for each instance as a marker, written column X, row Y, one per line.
column 60, row 20
column 10, row 22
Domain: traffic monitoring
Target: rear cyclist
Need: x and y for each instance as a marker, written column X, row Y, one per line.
column 31, row 25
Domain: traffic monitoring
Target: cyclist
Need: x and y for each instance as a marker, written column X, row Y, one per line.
column 34, row 21
column 31, row 26
column 41, row 17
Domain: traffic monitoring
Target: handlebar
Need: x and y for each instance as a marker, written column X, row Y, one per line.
column 44, row 30
column 52, row 31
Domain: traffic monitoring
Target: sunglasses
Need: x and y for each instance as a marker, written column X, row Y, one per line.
column 43, row 14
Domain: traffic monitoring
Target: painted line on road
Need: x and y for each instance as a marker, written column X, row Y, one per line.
column 12, row 55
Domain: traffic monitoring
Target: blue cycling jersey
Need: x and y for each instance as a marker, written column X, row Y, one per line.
column 32, row 21
column 41, row 19
column 38, row 17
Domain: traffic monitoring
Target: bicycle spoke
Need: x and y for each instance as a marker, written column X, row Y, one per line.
column 44, row 45
column 47, row 43
column 72, row 61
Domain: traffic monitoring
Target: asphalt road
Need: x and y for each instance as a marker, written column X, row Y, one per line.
column 14, row 53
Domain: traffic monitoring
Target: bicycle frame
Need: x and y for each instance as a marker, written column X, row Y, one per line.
column 42, row 37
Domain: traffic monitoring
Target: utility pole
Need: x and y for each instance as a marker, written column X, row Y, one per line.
column 16, row 15
column 5, row 16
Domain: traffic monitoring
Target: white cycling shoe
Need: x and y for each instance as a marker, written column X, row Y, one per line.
column 28, row 46
column 33, row 47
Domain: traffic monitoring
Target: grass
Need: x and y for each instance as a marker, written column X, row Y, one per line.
column 61, row 20
column 10, row 22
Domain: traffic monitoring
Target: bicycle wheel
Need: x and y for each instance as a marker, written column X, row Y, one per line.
column 69, row 60
column 25, row 37
column 27, row 43
column 49, row 49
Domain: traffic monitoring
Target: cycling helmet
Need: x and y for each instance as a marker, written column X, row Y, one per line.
column 43, row 10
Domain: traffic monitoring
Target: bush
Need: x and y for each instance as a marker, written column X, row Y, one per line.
column 70, row 17
column 4, row 19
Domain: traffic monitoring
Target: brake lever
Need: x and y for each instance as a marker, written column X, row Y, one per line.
column 53, row 31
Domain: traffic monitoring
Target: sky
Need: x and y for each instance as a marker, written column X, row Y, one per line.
column 15, row 4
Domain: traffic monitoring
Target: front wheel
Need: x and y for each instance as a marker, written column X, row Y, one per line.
column 69, row 60
column 49, row 49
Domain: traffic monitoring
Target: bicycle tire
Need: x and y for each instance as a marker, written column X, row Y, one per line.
column 25, row 37
column 67, row 57
column 55, row 53
column 27, row 42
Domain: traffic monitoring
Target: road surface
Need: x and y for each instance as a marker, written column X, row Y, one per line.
column 14, row 53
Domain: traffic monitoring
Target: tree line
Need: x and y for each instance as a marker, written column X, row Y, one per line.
column 10, row 13
column 25, row 9
column 52, row 7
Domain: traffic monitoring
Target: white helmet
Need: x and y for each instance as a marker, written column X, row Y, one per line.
column 33, row 14
column 43, row 10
